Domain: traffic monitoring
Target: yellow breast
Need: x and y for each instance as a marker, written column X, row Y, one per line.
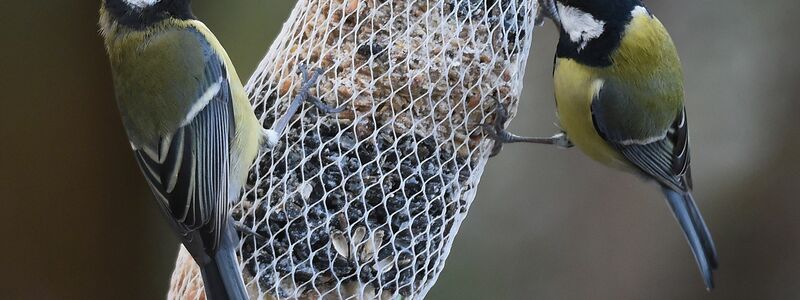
column 575, row 87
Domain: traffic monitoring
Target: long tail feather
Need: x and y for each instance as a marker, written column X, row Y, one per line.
column 221, row 276
column 702, row 229
column 696, row 232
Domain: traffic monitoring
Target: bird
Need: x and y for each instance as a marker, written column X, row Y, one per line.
column 619, row 95
column 190, row 124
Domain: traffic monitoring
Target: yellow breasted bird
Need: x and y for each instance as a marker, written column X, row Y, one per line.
column 619, row 96
column 189, row 123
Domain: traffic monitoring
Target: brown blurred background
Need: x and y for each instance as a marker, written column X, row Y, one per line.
column 77, row 221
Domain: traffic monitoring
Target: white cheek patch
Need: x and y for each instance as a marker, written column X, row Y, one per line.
column 640, row 11
column 581, row 26
column 141, row 3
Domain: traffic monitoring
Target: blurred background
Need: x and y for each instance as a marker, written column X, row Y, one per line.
column 77, row 221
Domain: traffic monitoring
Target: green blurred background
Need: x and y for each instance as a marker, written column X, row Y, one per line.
column 77, row 221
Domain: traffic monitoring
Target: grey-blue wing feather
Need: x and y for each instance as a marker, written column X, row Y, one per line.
column 666, row 160
column 185, row 157
column 188, row 169
column 190, row 175
column 623, row 122
column 656, row 160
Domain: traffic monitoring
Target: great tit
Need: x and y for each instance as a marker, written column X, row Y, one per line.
column 190, row 124
column 619, row 96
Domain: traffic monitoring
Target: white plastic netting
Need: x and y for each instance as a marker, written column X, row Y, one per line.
column 366, row 203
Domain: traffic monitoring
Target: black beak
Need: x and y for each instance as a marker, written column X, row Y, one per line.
column 548, row 9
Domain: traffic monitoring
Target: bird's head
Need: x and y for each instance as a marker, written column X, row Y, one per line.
column 587, row 20
column 142, row 13
column 591, row 28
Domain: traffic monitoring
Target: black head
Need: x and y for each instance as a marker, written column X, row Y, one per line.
column 141, row 13
column 592, row 29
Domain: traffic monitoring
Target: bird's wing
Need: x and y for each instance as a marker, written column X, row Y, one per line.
column 661, row 151
column 188, row 169
column 650, row 137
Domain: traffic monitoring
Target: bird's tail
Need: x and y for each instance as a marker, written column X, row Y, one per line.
column 221, row 275
column 696, row 232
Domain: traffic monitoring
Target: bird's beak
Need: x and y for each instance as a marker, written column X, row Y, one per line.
column 548, row 9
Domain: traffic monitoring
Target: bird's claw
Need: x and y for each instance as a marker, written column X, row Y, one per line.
column 496, row 129
column 309, row 80
column 240, row 227
column 325, row 108
column 491, row 131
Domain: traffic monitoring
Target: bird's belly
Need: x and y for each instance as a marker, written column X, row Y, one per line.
column 246, row 141
column 575, row 86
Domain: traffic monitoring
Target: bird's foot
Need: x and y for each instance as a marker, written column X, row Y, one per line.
column 240, row 227
column 309, row 80
column 323, row 107
column 496, row 131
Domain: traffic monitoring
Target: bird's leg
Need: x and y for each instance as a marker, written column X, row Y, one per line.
column 496, row 131
column 240, row 227
column 308, row 81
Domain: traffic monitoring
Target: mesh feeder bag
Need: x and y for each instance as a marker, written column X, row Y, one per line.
column 365, row 204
